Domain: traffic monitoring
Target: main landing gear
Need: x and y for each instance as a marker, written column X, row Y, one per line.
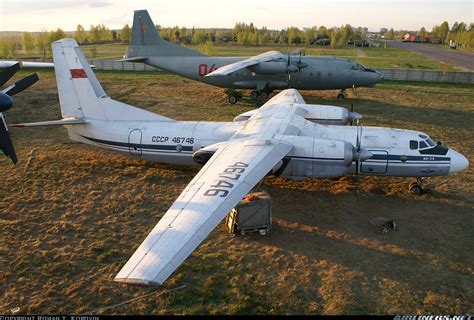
column 416, row 187
column 342, row 94
column 234, row 95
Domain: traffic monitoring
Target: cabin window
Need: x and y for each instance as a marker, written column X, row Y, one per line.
column 423, row 145
column 413, row 144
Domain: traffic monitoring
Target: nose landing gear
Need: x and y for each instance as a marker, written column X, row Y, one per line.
column 342, row 95
column 416, row 187
column 234, row 96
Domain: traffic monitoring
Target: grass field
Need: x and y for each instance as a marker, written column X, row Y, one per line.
column 376, row 57
column 71, row 215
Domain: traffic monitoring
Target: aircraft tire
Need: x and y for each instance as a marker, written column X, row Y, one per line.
column 416, row 189
column 341, row 96
column 232, row 99
column 264, row 95
column 254, row 95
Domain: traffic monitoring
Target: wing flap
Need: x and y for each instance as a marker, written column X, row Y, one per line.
column 231, row 173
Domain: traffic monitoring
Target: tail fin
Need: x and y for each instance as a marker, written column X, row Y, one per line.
column 146, row 41
column 80, row 93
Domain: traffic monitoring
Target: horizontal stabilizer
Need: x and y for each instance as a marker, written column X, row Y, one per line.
column 26, row 64
column 134, row 59
column 62, row 122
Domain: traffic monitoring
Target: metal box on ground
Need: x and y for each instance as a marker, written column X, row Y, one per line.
column 252, row 214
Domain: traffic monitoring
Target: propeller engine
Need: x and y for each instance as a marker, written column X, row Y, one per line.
column 6, row 102
column 293, row 67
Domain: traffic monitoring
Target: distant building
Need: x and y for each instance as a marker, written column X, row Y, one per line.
column 364, row 30
column 383, row 30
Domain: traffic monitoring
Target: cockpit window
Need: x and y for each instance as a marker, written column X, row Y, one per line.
column 430, row 142
column 358, row 67
column 422, row 136
column 413, row 144
column 423, row 145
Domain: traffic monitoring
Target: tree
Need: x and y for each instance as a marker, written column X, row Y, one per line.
column 56, row 35
column 94, row 34
column 390, row 34
column 443, row 31
column 7, row 49
column 80, row 34
column 322, row 33
column 309, row 35
column 41, row 42
column 294, row 35
column 345, row 34
column 126, row 33
column 27, row 42
column 422, row 33
column 207, row 48
column 199, row 36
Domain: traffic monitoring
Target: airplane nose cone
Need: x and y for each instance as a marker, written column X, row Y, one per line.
column 458, row 162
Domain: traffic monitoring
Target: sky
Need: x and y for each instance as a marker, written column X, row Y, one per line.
column 34, row 15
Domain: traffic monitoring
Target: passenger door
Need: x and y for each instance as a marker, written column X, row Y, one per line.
column 135, row 142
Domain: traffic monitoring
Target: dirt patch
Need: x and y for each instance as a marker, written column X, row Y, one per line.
column 73, row 218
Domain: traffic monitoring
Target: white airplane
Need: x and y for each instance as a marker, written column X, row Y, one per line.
column 284, row 137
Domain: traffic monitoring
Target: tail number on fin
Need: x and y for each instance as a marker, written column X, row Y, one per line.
column 204, row 69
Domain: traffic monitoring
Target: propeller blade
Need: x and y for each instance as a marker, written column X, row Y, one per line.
column 6, row 142
column 21, row 85
column 8, row 73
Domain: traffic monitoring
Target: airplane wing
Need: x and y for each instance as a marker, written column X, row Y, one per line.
column 234, row 169
column 286, row 97
column 263, row 57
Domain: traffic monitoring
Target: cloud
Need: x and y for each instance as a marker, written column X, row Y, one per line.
column 99, row 4
column 15, row 7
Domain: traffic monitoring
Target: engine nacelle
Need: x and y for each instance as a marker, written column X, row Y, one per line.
column 313, row 157
column 318, row 114
column 333, row 115
column 269, row 68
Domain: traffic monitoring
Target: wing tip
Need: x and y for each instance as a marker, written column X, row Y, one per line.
column 137, row 282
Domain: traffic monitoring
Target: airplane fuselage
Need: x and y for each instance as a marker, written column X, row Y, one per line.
column 320, row 73
column 319, row 150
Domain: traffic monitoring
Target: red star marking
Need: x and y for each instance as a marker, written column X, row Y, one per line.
column 142, row 27
column 78, row 73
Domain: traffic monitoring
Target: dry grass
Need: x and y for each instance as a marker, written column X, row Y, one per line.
column 73, row 217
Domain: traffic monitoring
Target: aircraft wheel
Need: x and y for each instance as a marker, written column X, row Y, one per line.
column 264, row 95
column 254, row 95
column 232, row 99
column 341, row 96
column 416, row 189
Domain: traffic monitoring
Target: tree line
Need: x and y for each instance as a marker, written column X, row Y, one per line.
column 241, row 34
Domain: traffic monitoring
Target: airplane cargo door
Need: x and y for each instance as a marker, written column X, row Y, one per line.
column 378, row 164
column 135, row 142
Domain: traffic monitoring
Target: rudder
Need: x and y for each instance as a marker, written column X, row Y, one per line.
column 146, row 41
column 80, row 93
